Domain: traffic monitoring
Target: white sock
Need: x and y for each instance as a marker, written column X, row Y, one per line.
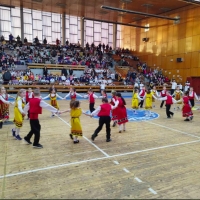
column 120, row 127
column 17, row 131
column 124, row 126
column 75, row 138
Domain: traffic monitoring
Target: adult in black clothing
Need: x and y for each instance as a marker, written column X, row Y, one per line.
column 71, row 71
column 25, row 40
column 45, row 71
column 45, row 41
column 6, row 77
column 64, row 71
column 67, row 42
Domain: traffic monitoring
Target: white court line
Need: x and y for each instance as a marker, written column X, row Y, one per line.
column 103, row 152
column 95, row 159
column 152, row 191
column 72, row 154
column 116, row 162
column 138, row 180
column 173, row 129
column 126, row 170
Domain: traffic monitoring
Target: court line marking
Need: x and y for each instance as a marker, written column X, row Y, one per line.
column 176, row 130
column 116, row 162
column 103, row 152
column 138, row 180
column 95, row 159
column 126, row 170
column 152, row 191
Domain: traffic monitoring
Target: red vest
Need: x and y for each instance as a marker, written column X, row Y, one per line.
column 35, row 108
column 105, row 110
column 91, row 98
column 163, row 93
column 143, row 93
column 6, row 98
column 27, row 97
column 112, row 103
column 73, row 96
column 191, row 97
column 169, row 100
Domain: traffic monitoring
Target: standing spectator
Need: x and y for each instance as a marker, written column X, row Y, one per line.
column 64, row 71
column 25, row 40
column 45, row 41
column 10, row 38
column 174, row 85
column 57, row 41
column 7, row 77
column 45, row 71
column 71, row 71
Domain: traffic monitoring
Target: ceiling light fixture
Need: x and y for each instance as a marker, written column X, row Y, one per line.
column 139, row 13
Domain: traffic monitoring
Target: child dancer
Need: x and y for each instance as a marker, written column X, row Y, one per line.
column 103, row 111
column 4, row 106
column 76, row 128
column 103, row 94
column 191, row 96
column 186, row 110
column 19, row 113
column 141, row 95
column 135, row 100
column 34, row 107
column 112, row 102
column 148, row 102
column 91, row 96
column 163, row 94
column 177, row 94
column 53, row 98
column 155, row 93
column 121, row 112
column 73, row 94
column 29, row 95
column 169, row 101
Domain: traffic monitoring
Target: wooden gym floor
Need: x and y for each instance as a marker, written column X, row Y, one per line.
column 152, row 159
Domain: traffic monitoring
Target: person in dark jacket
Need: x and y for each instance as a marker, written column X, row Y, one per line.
column 71, row 71
column 64, row 71
column 45, row 71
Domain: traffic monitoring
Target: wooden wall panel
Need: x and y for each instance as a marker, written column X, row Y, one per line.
column 169, row 41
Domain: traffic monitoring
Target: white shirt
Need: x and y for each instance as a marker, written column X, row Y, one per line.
column 3, row 100
column 187, row 86
column 96, row 112
column 63, row 78
column 195, row 95
column 141, row 86
column 165, row 98
column 155, row 92
column 103, row 86
column 43, row 104
column 136, row 85
column 87, row 95
column 72, row 93
column 174, row 85
column 52, row 95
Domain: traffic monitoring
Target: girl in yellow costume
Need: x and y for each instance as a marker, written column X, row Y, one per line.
column 135, row 100
column 19, row 113
column 155, row 93
column 148, row 102
column 76, row 128
column 177, row 94
column 53, row 99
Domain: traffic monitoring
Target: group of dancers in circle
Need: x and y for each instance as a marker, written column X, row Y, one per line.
column 178, row 97
column 31, row 103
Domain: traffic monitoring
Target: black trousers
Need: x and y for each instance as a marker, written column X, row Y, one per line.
column 192, row 102
column 35, row 129
column 172, row 91
column 141, row 102
column 103, row 120
column 91, row 107
column 161, row 105
column 168, row 112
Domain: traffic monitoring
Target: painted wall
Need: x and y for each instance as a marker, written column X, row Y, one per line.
column 167, row 42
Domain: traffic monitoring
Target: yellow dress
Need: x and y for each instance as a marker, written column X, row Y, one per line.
column 148, row 103
column 18, row 118
column 135, row 101
column 54, row 101
column 154, row 93
column 76, row 129
column 178, row 96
